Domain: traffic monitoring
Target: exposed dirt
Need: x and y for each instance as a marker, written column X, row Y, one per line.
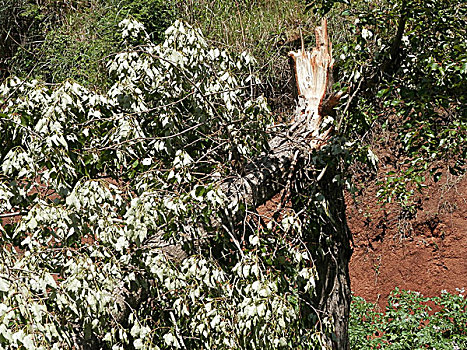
column 426, row 252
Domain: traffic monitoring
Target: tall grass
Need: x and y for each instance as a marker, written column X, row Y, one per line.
column 266, row 29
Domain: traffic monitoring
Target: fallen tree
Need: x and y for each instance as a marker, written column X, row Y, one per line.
column 152, row 231
column 271, row 174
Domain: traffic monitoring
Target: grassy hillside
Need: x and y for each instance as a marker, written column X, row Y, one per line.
column 55, row 40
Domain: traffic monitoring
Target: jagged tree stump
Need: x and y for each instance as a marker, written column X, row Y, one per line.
column 313, row 78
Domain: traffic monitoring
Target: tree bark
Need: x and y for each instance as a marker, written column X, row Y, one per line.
column 332, row 292
column 313, row 76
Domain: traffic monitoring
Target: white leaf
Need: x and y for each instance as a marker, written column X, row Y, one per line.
column 254, row 240
column 169, row 339
column 4, row 285
column 246, row 270
column 138, row 344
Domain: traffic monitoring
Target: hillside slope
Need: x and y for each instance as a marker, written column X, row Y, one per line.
column 426, row 253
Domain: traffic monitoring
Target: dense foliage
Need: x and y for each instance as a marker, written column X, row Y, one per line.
column 110, row 186
column 411, row 321
column 55, row 40
column 404, row 65
column 113, row 222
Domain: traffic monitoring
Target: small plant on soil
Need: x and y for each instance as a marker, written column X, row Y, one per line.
column 410, row 321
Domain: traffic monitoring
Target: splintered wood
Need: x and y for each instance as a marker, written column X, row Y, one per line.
column 313, row 77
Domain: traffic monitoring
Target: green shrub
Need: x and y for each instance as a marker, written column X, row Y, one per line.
column 75, row 39
column 410, row 322
column 78, row 49
column 408, row 79
column 156, row 15
column 15, row 20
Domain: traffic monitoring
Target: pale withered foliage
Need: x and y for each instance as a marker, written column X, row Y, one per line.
column 114, row 229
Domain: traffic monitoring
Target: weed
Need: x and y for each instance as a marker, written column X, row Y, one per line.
column 410, row 323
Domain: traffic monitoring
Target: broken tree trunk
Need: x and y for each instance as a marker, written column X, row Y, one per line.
column 266, row 177
column 313, row 76
column 269, row 175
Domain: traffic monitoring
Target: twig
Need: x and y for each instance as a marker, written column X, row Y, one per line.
column 11, row 215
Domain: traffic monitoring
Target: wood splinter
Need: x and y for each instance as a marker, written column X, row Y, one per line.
column 313, row 78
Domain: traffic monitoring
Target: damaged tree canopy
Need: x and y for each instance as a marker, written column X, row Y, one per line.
column 129, row 217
